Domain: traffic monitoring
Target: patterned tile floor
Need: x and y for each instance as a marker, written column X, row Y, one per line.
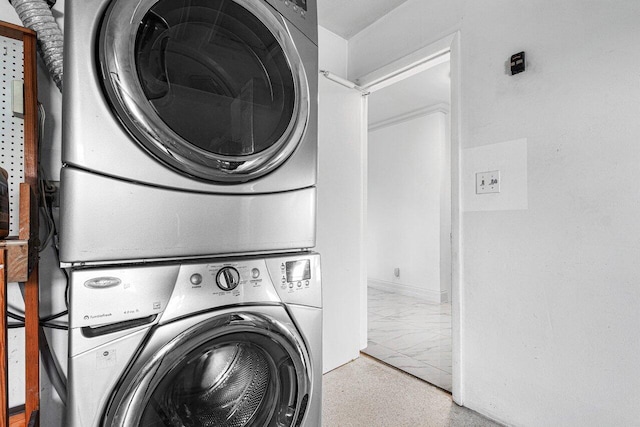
column 410, row 334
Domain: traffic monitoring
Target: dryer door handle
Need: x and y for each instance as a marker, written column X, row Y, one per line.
column 91, row 332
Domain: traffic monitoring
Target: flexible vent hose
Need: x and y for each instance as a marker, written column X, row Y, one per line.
column 35, row 14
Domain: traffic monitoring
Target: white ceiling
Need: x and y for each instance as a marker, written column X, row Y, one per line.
column 348, row 17
column 423, row 90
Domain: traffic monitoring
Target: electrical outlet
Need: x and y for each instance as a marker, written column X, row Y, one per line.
column 52, row 193
column 488, row 182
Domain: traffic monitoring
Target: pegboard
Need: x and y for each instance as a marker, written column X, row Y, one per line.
column 11, row 128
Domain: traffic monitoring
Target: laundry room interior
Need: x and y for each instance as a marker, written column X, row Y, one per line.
column 443, row 301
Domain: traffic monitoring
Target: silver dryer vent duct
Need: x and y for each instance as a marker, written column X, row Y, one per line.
column 36, row 15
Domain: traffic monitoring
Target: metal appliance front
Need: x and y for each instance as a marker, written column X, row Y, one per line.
column 233, row 370
column 168, row 343
column 214, row 89
column 125, row 197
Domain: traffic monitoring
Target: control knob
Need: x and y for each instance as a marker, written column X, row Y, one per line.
column 227, row 278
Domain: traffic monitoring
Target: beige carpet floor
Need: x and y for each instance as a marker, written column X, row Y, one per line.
column 369, row 393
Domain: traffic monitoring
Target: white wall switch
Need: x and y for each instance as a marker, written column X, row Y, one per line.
column 488, row 182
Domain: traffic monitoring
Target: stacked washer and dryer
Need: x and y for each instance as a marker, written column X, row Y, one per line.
column 188, row 208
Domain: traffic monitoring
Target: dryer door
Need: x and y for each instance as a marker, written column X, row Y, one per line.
column 242, row 369
column 214, row 88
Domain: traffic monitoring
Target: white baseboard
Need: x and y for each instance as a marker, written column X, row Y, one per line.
column 427, row 295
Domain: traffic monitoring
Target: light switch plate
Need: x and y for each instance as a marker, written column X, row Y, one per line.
column 488, row 182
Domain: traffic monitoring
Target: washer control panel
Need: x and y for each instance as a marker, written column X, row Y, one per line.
column 101, row 296
column 290, row 279
column 296, row 273
column 228, row 278
column 298, row 6
column 297, row 278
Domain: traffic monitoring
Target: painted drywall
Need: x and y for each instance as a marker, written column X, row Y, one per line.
column 509, row 159
column 414, row 24
column 561, row 278
column 332, row 55
column 405, row 186
column 429, row 89
column 8, row 14
column 549, row 294
column 340, row 207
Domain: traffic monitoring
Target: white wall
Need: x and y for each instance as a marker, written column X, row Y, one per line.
column 405, row 165
column 8, row 14
column 332, row 52
column 550, row 294
column 340, row 208
column 414, row 24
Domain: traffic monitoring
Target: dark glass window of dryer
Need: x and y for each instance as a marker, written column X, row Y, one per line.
column 215, row 74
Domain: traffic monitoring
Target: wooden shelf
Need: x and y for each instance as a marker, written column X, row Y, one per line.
column 22, row 255
column 17, row 420
column 19, row 254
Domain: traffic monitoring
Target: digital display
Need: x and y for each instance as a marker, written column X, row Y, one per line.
column 301, row 4
column 298, row 270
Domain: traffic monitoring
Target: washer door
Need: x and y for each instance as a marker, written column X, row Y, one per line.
column 213, row 88
column 242, row 369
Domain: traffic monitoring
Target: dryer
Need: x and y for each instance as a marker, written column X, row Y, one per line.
column 189, row 128
column 234, row 342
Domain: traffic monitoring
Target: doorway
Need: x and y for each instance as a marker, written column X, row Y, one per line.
column 409, row 228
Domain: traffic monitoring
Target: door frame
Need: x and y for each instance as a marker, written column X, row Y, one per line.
column 400, row 69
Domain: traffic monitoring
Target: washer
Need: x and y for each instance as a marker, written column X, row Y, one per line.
column 189, row 128
column 226, row 343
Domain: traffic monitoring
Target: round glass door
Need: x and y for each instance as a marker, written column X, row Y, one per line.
column 234, row 371
column 214, row 88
